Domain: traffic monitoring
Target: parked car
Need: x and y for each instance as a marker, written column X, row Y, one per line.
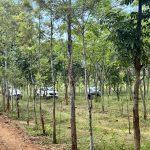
column 40, row 91
column 47, row 92
column 16, row 93
column 93, row 91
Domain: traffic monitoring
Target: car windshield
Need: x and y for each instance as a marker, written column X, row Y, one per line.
column 92, row 88
column 50, row 88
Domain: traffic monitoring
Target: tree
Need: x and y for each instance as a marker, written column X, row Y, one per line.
column 71, row 79
column 130, row 42
column 53, row 76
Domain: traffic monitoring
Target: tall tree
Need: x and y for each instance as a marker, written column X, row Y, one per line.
column 53, row 75
column 130, row 42
column 71, row 79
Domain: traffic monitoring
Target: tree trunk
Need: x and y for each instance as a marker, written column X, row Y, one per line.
column 102, row 96
column 128, row 112
column 54, row 118
column 27, row 90
column 128, row 92
column 148, row 76
column 109, row 89
column 66, row 93
column 53, row 81
column 71, row 80
column 89, row 102
column 4, row 103
column 34, row 107
column 41, row 116
column 8, row 100
column 96, row 81
column 144, row 103
column 12, row 100
column 29, row 98
column 7, row 96
column 5, row 81
column 136, row 112
column 17, row 105
column 118, row 93
column 144, row 84
column 39, row 71
column 138, row 67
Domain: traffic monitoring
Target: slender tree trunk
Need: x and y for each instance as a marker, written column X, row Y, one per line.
column 12, row 99
column 8, row 100
column 128, row 112
column 71, row 80
column 27, row 89
column 54, row 117
column 41, row 116
column 17, row 104
column 144, row 103
column 109, row 91
column 18, row 107
column 102, row 91
column 3, row 93
column 86, row 93
column 136, row 125
column 118, row 99
column 5, row 82
column 138, row 67
column 103, row 80
column 128, row 92
column 118, row 93
column 53, row 81
column 88, row 102
column 96, row 81
column 148, row 83
column 29, row 98
column 66, row 93
column 34, row 107
column 144, row 84
column 39, row 65
column 4, row 103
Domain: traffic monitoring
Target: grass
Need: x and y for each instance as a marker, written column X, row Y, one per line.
column 110, row 128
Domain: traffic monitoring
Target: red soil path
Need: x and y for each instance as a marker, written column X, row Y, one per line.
column 12, row 137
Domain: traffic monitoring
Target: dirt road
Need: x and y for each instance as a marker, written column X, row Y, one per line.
column 12, row 137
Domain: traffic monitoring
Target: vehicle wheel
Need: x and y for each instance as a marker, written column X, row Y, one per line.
column 89, row 96
column 98, row 94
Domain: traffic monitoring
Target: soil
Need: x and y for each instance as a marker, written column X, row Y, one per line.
column 13, row 137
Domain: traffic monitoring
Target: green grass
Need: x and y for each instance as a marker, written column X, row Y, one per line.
column 110, row 128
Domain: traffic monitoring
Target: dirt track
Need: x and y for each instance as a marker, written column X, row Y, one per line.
column 12, row 137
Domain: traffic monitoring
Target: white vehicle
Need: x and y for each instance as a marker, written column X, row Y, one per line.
column 47, row 92
column 40, row 92
column 15, row 93
column 93, row 91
